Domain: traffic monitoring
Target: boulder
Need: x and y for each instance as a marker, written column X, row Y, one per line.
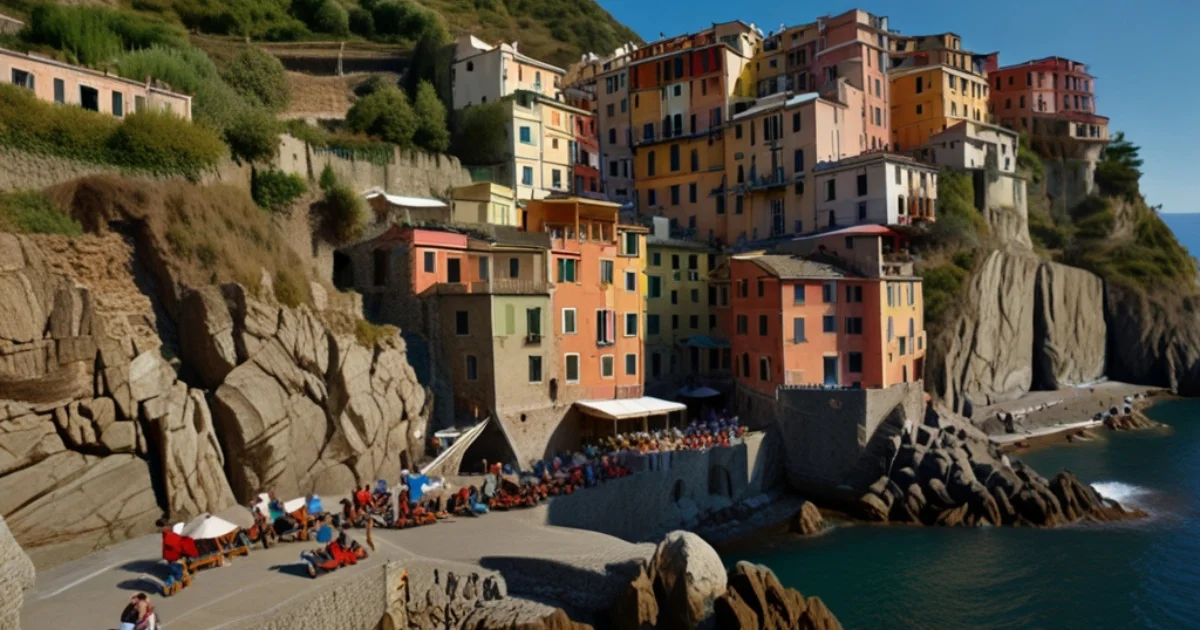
column 808, row 520
column 689, row 576
column 952, row 517
column 206, row 335
column 120, row 437
column 983, row 505
column 636, row 607
column 938, row 496
column 904, row 477
column 1003, row 506
column 909, row 509
column 872, row 507
column 756, row 599
column 192, row 462
column 935, row 465
column 149, row 375
column 16, row 572
column 27, row 439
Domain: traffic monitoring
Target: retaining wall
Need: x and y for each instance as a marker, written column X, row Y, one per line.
column 412, row 173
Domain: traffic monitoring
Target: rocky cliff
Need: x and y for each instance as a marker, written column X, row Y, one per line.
column 109, row 418
column 1154, row 339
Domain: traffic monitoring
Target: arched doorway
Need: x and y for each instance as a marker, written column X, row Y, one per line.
column 720, row 482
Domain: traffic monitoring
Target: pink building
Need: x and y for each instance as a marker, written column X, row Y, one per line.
column 1048, row 97
column 59, row 82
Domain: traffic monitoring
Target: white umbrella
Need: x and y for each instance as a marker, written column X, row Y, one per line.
column 207, row 526
column 294, row 504
column 238, row 515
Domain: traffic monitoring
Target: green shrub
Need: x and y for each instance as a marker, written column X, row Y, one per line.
column 29, row 211
column 275, row 190
column 189, row 70
column 328, row 179
column 253, row 136
column 941, row 286
column 372, row 84
column 368, row 334
column 479, row 134
column 259, row 77
column 386, row 115
column 291, row 288
column 268, row 19
column 342, row 215
column 331, row 18
column 431, row 133
column 305, row 132
column 94, row 35
column 362, row 23
column 164, row 143
column 403, row 19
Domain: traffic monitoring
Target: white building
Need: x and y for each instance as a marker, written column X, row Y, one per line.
column 483, row 73
column 880, row 188
column 967, row 144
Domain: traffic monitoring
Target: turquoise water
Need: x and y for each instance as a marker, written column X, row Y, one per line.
column 1141, row 574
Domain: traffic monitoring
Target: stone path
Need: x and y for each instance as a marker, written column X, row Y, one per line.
column 90, row 592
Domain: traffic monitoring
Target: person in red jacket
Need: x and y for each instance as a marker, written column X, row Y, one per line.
column 175, row 550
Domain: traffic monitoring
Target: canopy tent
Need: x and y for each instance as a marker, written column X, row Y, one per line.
column 626, row 408
column 699, row 392
column 206, row 526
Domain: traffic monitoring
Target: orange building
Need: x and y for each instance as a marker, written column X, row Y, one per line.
column 839, row 309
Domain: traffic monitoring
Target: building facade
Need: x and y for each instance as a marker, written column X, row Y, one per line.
column 1052, row 97
column 485, row 73
column 876, row 188
column 934, row 84
column 484, row 202
column 57, row 82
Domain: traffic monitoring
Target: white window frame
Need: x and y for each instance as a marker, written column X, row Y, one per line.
column 574, row 320
column 567, row 369
column 635, row 363
column 612, row 365
column 625, row 325
column 628, row 274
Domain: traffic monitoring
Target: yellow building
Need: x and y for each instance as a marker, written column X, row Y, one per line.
column 933, row 85
column 484, row 202
column 683, row 338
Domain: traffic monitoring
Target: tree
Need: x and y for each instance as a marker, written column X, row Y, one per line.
column 1120, row 167
column 259, row 77
column 386, row 114
column 405, row 19
column 253, row 136
column 330, row 17
column 479, row 134
column 431, row 133
column 362, row 22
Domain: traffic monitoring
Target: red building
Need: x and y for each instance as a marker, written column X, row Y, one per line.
column 585, row 154
column 1048, row 98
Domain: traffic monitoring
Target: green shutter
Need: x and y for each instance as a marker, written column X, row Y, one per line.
column 510, row 316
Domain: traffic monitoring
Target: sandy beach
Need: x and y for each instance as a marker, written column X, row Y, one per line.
column 1046, row 417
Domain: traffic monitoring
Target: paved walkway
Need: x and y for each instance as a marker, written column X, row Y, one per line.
column 89, row 593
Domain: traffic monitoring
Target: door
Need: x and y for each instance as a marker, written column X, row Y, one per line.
column 454, row 270
column 831, row 371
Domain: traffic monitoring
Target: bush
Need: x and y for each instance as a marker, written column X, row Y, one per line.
column 328, row 179
column 331, row 18
column 291, row 289
column 941, row 287
column 253, row 136
column 479, row 134
column 305, row 132
column 259, row 77
column 92, row 35
column 164, row 143
column 431, row 133
column 267, row 19
column 190, row 70
column 369, row 335
column 275, row 190
column 403, row 19
column 362, row 23
column 372, row 84
column 31, row 212
column 342, row 216
column 386, row 115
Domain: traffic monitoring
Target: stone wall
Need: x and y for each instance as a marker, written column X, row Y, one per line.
column 16, row 576
column 668, row 490
column 21, row 170
column 412, row 173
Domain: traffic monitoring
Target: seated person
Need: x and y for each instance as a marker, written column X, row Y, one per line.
column 315, row 508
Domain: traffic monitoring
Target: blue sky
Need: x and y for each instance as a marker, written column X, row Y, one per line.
column 1140, row 52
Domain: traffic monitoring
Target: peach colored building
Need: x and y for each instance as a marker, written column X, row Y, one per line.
column 483, row 73
column 839, row 309
column 58, row 82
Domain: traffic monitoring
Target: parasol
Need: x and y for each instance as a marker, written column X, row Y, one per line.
column 207, row 526
column 239, row 515
column 294, row 505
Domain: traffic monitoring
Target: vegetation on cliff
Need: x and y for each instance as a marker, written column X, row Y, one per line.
column 30, row 212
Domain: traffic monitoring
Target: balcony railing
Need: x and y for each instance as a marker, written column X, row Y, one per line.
column 501, row 286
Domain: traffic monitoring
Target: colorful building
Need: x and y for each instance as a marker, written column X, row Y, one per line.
column 608, row 79
column 483, row 73
column 879, row 188
column 542, row 144
column 770, row 150
column 934, row 84
column 1051, row 97
column 484, row 202
column 586, row 150
column 835, row 310
column 58, row 82
column 683, row 340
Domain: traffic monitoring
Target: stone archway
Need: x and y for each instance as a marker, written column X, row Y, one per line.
column 720, row 482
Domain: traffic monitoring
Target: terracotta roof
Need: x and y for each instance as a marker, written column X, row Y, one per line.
column 782, row 266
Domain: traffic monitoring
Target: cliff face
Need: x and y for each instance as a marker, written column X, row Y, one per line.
column 103, row 429
column 1154, row 339
column 1070, row 331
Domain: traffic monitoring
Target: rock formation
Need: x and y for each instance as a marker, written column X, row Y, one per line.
column 1154, row 340
column 1070, row 334
column 808, row 520
column 685, row 586
column 16, row 576
column 945, row 472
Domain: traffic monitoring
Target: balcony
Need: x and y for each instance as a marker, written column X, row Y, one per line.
column 498, row 286
column 777, row 179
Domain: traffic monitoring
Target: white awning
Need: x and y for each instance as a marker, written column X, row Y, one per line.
column 404, row 202
column 625, row 408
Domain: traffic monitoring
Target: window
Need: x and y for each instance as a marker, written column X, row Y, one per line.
column 567, row 268
column 606, row 324
column 762, row 325
column 674, row 322
column 798, row 294
column 462, row 323
column 535, row 369
column 695, row 296
column 920, row 85
column 606, row 271
column 483, row 268
column 692, row 192
column 764, row 368
column 695, row 160
column 631, row 324
column 919, row 109
column 526, row 175
column 652, row 324
column 796, row 121
column 556, row 178
column 533, row 321
column 862, row 185
column 720, row 205
column 572, row 368
column 514, row 268
column 743, row 325
column 854, row 293
column 798, row 161
column 827, row 292
column 737, row 204
column 674, row 297
column 656, row 259
column 526, row 135
column 890, row 331
column 430, row 264
column 652, row 197
column 89, row 98
column 650, row 164
column 862, row 211
column 453, row 270
column 568, row 321
column 830, row 189
column 674, row 158
column 629, row 244
column 22, row 78
column 675, row 195
column 737, row 131
column 829, row 324
column 798, row 330
column 606, row 365
column 60, row 91
column 854, row 361
column 472, row 368
column 118, row 104
column 694, row 322
column 654, row 286
column 854, row 325
column 631, row 281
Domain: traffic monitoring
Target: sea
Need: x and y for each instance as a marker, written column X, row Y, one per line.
column 1135, row 574
column 1186, row 228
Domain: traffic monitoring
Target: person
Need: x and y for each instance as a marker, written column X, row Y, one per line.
column 129, row 616
column 145, row 612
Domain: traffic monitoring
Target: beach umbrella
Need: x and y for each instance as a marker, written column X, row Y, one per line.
column 207, row 526
column 238, row 515
column 295, row 504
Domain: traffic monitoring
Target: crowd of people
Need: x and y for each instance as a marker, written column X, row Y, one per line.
column 715, row 430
